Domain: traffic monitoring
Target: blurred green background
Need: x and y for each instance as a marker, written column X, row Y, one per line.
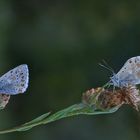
column 63, row 42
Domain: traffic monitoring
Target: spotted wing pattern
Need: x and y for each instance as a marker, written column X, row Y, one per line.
column 129, row 74
column 15, row 81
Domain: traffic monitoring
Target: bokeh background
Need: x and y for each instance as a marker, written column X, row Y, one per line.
column 63, row 42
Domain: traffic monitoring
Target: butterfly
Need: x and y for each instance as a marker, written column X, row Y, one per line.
column 129, row 74
column 15, row 81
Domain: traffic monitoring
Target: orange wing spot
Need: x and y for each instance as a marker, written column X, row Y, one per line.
column 13, row 78
column 138, row 73
column 138, row 65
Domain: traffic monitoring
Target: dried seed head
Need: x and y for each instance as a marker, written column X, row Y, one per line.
column 109, row 99
column 132, row 96
column 90, row 96
column 106, row 99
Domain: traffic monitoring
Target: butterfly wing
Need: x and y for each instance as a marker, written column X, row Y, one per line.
column 130, row 72
column 15, row 81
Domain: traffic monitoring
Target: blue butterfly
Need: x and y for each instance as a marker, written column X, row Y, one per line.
column 129, row 74
column 15, row 81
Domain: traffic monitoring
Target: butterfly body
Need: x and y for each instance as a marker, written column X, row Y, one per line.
column 15, row 81
column 129, row 74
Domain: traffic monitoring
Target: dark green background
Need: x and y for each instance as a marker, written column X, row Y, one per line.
column 63, row 41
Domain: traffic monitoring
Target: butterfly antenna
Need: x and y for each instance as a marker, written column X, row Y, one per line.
column 102, row 65
column 108, row 66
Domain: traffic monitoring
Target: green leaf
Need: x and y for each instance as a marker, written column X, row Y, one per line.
column 77, row 109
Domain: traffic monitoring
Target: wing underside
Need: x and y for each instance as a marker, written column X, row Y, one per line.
column 130, row 72
column 15, row 81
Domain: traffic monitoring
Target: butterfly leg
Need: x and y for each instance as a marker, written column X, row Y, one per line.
column 113, row 89
column 108, row 86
